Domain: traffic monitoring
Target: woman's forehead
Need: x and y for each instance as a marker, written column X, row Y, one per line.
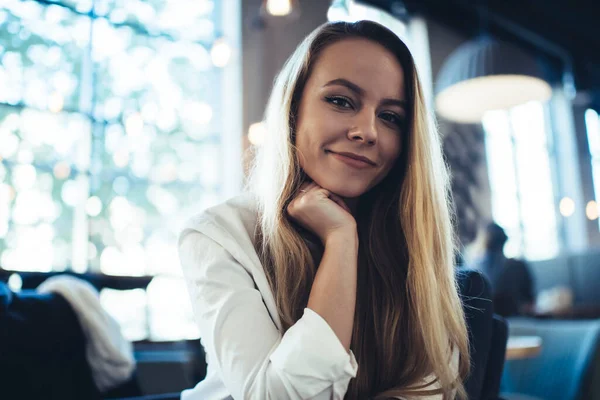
column 362, row 62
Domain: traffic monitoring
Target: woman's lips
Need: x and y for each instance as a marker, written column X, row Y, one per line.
column 351, row 162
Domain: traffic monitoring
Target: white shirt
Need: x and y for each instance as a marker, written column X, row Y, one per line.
column 248, row 356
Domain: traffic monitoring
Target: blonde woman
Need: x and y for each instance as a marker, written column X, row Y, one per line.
column 332, row 276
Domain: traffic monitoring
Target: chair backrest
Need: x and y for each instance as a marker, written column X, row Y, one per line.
column 42, row 349
column 585, row 272
column 476, row 298
column 495, row 361
column 561, row 368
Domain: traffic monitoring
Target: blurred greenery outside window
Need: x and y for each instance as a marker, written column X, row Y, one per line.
column 112, row 119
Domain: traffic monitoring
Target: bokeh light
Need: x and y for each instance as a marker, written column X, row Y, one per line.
column 592, row 210
column 62, row 170
column 93, row 206
column 55, row 102
column 566, row 206
column 221, row 52
column 257, row 133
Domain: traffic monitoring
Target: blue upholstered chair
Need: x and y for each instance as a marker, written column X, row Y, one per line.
column 564, row 368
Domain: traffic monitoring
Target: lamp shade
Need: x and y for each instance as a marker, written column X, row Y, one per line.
column 486, row 74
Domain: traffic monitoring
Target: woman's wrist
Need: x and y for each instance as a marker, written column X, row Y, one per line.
column 342, row 237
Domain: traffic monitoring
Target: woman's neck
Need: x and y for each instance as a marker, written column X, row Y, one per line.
column 352, row 203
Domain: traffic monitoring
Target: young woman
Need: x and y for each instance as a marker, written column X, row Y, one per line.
column 332, row 276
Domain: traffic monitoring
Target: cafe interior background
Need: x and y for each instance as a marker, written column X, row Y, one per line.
column 120, row 119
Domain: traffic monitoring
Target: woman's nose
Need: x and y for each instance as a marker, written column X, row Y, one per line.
column 365, row 128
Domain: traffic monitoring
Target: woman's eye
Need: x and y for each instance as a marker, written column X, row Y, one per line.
column 392, row 118
column 339, row 101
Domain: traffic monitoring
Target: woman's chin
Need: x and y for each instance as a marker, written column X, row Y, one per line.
column 346, row 192
column 343, row 187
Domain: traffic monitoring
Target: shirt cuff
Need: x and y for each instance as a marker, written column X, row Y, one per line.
column 310, row 348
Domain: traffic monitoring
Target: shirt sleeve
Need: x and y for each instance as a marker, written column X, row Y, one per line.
column 253, row 358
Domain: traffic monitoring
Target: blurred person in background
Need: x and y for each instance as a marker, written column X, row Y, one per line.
column 510, row 279
column 332, row 276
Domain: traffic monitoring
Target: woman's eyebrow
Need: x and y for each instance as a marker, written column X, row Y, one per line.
column 394, row 102
column 344, row 82
column 360, row 91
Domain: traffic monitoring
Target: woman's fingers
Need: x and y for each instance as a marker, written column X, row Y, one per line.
column 312, row 186
column 307, row 186
column 320, row 211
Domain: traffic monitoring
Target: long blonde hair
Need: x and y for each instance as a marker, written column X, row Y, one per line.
column 408, row 313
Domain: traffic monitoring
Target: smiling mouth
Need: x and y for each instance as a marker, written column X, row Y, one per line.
column 350, row 161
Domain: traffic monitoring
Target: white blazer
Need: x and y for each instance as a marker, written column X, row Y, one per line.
column 248, row 356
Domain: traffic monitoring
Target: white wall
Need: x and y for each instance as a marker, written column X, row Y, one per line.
column 266, row 45
column 264, row 50
column 462, row 144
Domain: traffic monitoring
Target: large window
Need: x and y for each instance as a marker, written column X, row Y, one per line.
column 520, row 159
column 592, row 123
column 112, row 124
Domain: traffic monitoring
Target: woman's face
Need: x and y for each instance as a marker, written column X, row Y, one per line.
column 351, row 117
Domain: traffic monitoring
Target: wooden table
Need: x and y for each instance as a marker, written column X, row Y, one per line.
column 519, row 347
column 575, row 312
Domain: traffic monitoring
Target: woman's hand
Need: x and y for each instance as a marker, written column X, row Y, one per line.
column 320, row 211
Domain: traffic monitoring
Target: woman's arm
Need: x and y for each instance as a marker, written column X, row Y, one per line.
column 242, row 343
column 333, row 293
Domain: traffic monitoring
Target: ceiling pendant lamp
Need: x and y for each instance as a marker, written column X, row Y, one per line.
column 280, row 8
column 487, row 74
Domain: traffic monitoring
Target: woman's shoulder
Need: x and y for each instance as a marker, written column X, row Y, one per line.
column 234, row 219
column 242, row 206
